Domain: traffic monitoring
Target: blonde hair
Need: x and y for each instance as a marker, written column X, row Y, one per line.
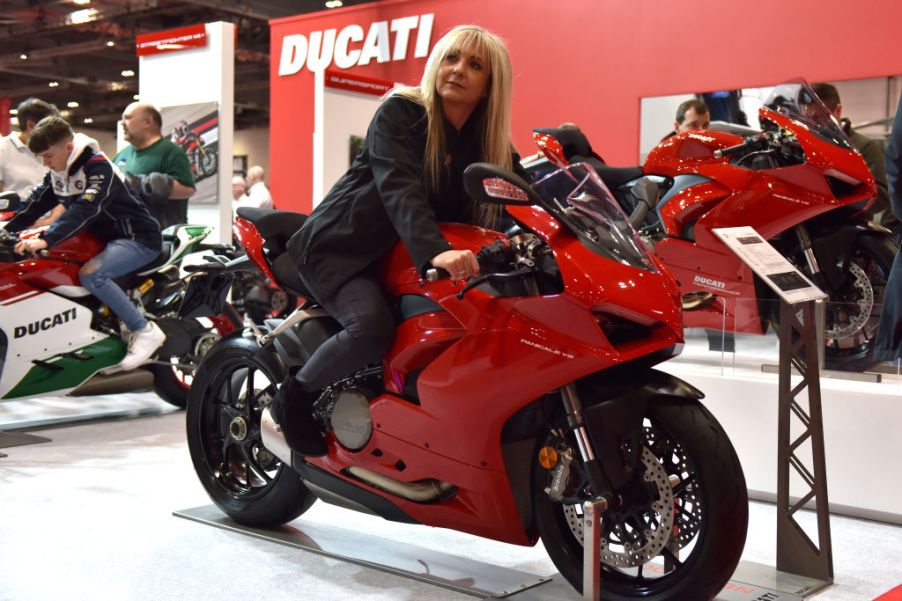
column 495, row 121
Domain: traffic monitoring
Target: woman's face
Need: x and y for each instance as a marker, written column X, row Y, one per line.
column 463, row 77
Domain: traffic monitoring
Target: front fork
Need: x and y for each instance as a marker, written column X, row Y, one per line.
column 808, row 252
column 599, row 481
column 593, row 508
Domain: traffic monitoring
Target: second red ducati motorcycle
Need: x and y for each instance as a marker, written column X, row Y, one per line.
column 504, row 404
column 800, row 183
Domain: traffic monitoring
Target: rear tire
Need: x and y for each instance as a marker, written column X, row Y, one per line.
column 232, row 386
column 710, row 511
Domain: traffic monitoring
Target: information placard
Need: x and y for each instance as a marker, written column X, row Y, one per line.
column 772, row 267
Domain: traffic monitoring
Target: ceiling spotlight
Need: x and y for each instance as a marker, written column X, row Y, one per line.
column 65, row 113
column 135, row 97
column 81, row 2
column 79, row 17
column 110, row 43
column 88, row 120
column 24, row 56
column 72, row 104
column 333, row 3
column 128, row 73
column 54, row 84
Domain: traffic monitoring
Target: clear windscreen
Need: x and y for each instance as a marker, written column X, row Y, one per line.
column 578, row 198
column 797, row 100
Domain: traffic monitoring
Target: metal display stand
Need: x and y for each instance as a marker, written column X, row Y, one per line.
column 799, row 347
column 18, row 439
column 475, row 578
column 803, row 566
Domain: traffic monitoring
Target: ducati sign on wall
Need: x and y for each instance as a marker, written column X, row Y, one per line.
column 385, row 41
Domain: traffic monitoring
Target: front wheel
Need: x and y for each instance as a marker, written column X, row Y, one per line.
column 233, row 385
column 853, row 311
column 682, row 526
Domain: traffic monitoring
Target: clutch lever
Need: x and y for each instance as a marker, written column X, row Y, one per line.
column 499, row 277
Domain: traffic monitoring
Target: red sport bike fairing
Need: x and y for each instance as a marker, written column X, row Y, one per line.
column 801, row 184
column 503, row 404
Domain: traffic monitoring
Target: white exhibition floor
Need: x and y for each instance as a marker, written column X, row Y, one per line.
column 88, row 517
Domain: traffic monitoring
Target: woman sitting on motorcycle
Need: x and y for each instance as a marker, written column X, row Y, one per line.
column 407, row 179
column 96, row 199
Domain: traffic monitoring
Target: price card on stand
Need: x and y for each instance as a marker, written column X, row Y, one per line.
column 772, row 267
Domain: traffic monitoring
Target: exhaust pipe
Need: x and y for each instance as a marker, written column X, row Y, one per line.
column 129, row 381
column 418, row 492
column 273, row 439
column 424, row 491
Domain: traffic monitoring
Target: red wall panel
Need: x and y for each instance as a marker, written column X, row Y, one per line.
column 590, row 61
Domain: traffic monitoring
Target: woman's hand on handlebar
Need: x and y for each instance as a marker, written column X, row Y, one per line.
column 460, row 264
column 31, row 247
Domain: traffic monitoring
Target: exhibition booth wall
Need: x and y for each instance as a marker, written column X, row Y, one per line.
column 584, row 61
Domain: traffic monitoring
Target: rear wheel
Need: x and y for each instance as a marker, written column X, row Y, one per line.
column 682, row 528
column 233, row 385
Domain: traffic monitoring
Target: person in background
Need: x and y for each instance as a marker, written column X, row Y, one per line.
column 690, row 115
column 408, row 178
column 20, row 170
column 95, row 199
column 888, row 340
column 257, row 193
column 239, row 195
column 158, row 169
column 872, row 150
column 239, row 188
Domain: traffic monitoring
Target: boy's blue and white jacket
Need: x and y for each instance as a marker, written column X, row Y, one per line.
column 96, row 198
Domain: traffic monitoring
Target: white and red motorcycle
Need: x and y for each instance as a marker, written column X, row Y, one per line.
column 55, row 336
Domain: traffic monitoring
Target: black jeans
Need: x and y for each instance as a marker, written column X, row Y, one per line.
column 361, row 308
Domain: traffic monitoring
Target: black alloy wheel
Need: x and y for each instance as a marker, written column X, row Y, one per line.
column 682, row 528
column 234, row 384
column 853, row 311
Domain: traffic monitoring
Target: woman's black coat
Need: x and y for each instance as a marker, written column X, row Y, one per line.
column 383, row 197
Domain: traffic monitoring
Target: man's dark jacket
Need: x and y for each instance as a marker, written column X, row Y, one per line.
column 99, row 202
column 383, row 197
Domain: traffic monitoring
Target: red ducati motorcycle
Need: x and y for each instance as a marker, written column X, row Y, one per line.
column 504, row 403
column 800, row 183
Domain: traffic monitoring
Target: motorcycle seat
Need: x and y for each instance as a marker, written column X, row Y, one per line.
column 274, row 225
column 164, row 255
column 277, row 227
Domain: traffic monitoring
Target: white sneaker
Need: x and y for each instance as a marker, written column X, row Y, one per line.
column 142, row 346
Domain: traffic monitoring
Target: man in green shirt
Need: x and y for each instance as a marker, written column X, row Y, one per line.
column 157, row 167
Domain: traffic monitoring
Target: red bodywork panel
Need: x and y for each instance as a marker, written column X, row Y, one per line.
column 252, row 242
column 770, row 200
column 483, row 358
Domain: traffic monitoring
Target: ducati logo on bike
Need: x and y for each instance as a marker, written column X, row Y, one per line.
column 45, row 324
column 710, row 283
column 317, row 51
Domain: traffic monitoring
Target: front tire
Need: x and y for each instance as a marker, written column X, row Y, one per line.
column 232, row 386
column 853, row 311
column 703, row 538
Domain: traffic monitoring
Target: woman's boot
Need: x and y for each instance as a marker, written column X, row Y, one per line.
column 292, row 409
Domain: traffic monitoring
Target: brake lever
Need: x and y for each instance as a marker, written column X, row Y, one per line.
column 500, row 277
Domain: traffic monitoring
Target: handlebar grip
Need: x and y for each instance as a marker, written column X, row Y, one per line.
column 749, row 141
column 435, row 274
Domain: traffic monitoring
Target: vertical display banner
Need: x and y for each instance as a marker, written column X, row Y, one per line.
column 195, row 128
column 5, row 106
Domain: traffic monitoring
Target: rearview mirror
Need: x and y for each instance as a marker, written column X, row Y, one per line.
column 491, row 184
column 550, row 147
column 9, row 201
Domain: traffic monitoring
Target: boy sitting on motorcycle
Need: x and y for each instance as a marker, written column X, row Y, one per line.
column 96, row 199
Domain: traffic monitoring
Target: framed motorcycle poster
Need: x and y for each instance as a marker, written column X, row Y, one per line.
column 195, row 128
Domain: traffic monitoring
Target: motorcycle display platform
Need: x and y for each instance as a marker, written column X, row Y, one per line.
column 475, row 578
